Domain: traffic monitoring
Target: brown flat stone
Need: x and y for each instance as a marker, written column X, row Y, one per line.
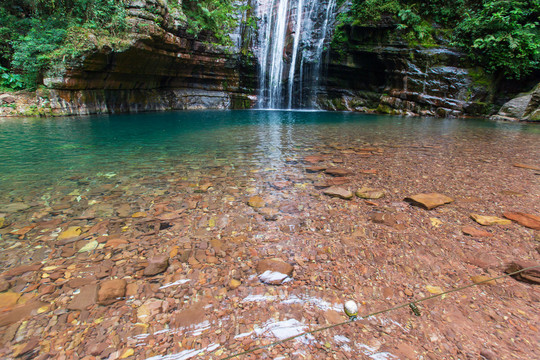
column 338, row 172
column 527, row 220
column 313, row 159
column 85, row 298
column 482, row 280
column 276, row 265
column 368, row 171
column 191, row 316
column 274, row 271
column 395, row 221
column 20, row 312
column 489, row 220
column 315, row 169
column 472, row 231
column 21, row 270
column 527, row 166
column 369, row 193
column 256, row 202
column 429, row 201
column 338, row 192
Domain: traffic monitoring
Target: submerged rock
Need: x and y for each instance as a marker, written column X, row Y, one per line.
column 338, row 192
column 490, row 220
column 369, row 193
column 338, row 172
column 157, row 265
column 110, row 291
column 527, row 220
column 472, row 231
column 256, row 202
column 274, row 271
column 70, row 233
column 531, row 275
column 14, row 207
column 429, row 201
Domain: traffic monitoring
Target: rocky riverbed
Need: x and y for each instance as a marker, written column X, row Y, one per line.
column 209, row 261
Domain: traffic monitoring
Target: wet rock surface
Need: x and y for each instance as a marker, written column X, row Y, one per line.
column 205, row 298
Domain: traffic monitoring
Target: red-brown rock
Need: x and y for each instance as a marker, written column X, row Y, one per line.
column 531, row 275
column 338, row 172
column 111, row 291
column 527, row 220
column 85, row 298
column 338, row 192
column 395, row 221
column 274, row 271
column 157, row 265
column 313, row 159
column 472, row 231
column 429, row 201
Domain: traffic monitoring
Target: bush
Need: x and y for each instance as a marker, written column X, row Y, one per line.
column 503, row 37
column 215, row 17
column 33, row 32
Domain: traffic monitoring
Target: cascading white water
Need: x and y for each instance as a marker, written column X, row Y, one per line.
column 291, row 42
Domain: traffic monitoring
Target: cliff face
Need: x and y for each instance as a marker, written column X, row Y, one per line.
column 378, row 73
column 162, row 68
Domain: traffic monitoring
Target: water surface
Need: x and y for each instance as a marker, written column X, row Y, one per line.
column 37, row 155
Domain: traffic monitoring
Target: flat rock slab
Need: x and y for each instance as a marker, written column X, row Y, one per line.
column 369, row 193
column 527, row 220
column 338, row 192
column 429, row 201
column 256, row 202
column 8, row 299
column 472, row 231
column 395, row 221
column 14, row 207
column 490, row 220
column 527, row 166
column 20, row 312
column 313, row 159
column 531, row 275
column 85, row 298
column 71, row 233
column 338, row 172
column 315, row 169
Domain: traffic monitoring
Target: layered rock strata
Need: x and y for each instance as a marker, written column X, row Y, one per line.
column 162, row 68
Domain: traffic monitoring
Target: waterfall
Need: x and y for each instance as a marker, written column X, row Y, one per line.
column 292, row 35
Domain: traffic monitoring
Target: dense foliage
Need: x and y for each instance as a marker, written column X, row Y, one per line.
column 215, row 17
column 502, row 36
column 33, row 32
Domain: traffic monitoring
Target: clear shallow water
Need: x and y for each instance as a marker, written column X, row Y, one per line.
column 37, row 155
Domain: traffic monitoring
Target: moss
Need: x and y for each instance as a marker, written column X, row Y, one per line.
column 384, row 109
column 479, row 77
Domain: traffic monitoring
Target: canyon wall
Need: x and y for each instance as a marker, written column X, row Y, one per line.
column 161, row 68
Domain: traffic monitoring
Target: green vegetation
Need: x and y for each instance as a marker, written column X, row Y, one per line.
column 502, row 36
column 34, row 33
column 212, row 17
